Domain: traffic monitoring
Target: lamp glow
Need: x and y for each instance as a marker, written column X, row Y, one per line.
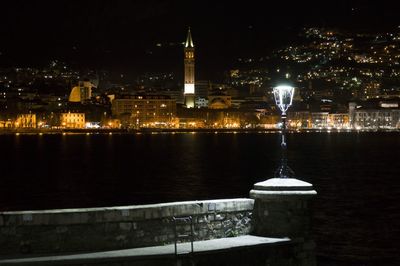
column 283, row 95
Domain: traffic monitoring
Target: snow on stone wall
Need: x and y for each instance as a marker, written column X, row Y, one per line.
column 95, row 229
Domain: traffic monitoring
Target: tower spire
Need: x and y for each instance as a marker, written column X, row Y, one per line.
column 189, row 89
column 189, row 41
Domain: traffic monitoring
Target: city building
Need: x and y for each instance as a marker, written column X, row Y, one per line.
column 338, row 121
column 72, row 120
column 319, row 119
column 6, row 124
column 140, row 110
column 189, row 87
column 26, row 121
column 201, row 102
column 82, row 92
column 175, row 94
column 219, row 101
column 372, row 90
column 203, row 87
column 299, row 119
column 385, row 115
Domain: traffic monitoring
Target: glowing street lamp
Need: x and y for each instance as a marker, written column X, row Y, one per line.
column 283, row 95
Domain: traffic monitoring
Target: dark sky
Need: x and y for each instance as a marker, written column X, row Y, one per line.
column 123, row 35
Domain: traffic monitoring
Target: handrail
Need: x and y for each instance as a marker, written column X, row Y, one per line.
column 182, row 220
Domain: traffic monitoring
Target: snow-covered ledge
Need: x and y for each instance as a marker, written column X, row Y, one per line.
column 282, row 186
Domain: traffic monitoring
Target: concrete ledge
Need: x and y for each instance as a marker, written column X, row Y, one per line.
column 286, row 184
column 278, row 188
column 155, row 253
column 261, row 193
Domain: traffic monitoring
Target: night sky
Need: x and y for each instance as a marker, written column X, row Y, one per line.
column 123, row 35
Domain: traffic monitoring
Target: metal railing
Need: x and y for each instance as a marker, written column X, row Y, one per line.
column 183, row 222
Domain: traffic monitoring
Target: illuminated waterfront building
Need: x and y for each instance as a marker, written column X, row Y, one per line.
column 143, row 109
column 338, row 120
column 384, row 116
column 189, row 88
column 6, row 123
column 318, row 120
column 72, row 120
column 26, row 121
column 299, row 119
column 377, row 119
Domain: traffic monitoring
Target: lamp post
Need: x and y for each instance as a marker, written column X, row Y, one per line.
column 283, row 95
column 281, row 203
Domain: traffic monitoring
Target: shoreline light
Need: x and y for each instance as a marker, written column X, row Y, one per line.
column 283, row 95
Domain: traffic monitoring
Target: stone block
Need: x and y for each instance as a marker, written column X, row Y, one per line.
column 111, row 227
column 139, row 233
column 227, row 224
column 218, row 225
column 120, row 238
column 125, row 226
column 125, row 213
column 202, row 219
column 148, row 214
column 245, row 221
column 212, row 207
column 137, row 214
column 11, row 220
column 25, row 247
column 240, row 215
column 110, row 216
column 61, row 229
column 220, row 217
column 163, row 238
column 229, row 205
column 211, row 217
column 166, row 212
column 202, row 234
column 27, row 218
column 84, row 218
column 8, row 230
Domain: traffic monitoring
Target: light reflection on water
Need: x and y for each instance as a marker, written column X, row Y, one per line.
column 356, row 212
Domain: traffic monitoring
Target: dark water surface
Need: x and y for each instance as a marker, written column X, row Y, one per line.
column 356, row 216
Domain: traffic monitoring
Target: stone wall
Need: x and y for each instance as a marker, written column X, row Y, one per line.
column 281, row 210
column 95, row 229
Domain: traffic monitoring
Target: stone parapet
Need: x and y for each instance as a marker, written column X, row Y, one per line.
column 96, row 229
column 281, row 209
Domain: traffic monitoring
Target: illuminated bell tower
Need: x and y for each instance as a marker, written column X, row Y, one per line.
column 189, row 93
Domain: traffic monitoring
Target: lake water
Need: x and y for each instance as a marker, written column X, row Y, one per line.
column 356, row 215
